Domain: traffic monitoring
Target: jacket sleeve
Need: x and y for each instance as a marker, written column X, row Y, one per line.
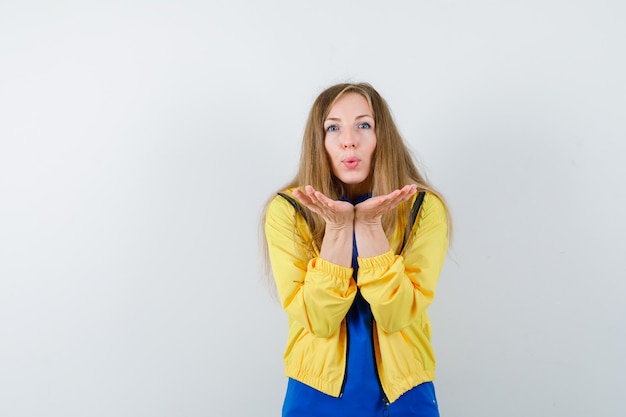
column 400, row 288
column 315, row 293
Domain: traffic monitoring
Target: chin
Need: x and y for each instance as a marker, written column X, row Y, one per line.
column 352, row 181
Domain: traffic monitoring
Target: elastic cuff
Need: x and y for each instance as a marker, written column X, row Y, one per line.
column 330, row 268
column 377, row 262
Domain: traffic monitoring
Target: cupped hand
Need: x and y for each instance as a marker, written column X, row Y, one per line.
column 371, row 210
column 335, row 213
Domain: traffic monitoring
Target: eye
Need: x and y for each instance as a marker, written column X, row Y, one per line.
column 332, row 128
column 365, row 126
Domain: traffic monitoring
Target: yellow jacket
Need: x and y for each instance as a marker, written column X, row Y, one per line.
column 317, row 294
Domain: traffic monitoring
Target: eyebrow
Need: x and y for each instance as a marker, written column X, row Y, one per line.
column 358, row 117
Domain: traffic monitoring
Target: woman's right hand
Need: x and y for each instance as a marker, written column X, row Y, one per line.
column 337, row 214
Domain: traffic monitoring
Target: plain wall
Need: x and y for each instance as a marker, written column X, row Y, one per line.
column 139, row 141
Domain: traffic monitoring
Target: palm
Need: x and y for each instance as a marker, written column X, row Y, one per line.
column 332, row 211
column 371, row 210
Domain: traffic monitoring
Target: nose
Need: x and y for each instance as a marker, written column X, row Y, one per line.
column 348, row 140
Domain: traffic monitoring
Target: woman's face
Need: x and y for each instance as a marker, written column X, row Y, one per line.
column 350, row 142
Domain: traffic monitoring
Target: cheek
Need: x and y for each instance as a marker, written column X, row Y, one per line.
column 372, row 149
column 331, row 152
column 329, row 155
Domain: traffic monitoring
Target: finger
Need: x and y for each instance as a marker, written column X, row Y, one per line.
column 317, row 202
column 398, row 197
column 406, row 193
column 316, row 197
column 302, row 197
column 307, row 201
column 323, row 199
column 408, row 190
column 410, row 187
column 309, row 189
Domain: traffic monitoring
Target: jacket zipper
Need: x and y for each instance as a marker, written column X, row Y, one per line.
column 380, row 384
column 345, row 373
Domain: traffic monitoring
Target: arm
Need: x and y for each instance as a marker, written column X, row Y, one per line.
column 400, row 288
column 315, row 292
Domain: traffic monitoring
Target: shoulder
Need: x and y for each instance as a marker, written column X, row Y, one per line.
column 282, row 205
column 285, row 215
column 433, row 208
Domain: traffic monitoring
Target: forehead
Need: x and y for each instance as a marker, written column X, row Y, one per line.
column 350, row 102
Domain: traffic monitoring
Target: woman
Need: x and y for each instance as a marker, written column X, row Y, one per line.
column 355, row 272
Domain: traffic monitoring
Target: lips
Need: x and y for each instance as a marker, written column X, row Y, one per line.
column 351, row 162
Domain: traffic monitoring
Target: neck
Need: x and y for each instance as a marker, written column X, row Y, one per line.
column 357, row 190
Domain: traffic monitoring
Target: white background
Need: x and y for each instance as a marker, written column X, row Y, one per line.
column 140, row 139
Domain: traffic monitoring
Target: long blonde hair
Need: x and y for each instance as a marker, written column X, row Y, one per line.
column 393, row 164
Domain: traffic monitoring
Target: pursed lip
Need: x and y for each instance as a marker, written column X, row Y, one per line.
column 351, row 162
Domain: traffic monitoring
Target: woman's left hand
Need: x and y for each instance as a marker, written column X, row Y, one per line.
column 370, row 211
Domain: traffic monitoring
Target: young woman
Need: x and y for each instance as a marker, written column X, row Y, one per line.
column 356, row 243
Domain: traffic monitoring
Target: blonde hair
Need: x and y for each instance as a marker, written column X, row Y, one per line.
column 393, row 164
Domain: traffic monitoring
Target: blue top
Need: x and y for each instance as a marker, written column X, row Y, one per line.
column 362, row 394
